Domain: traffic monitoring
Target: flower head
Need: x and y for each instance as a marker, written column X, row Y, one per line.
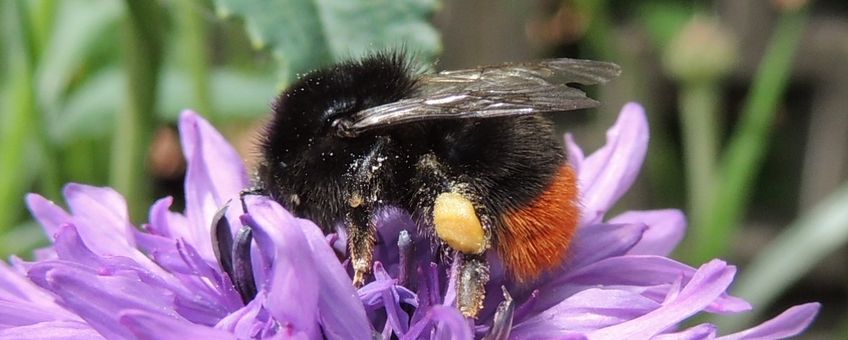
column 233, row 268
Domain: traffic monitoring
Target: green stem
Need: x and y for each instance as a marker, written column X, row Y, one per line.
column 16, row 122
column 192, row 35
column 698, row 111
column 16, row 119
column 41, row 17
column 142, row 54
column 748, row 144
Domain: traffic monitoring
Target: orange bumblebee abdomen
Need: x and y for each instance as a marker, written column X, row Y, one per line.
column 536, row 237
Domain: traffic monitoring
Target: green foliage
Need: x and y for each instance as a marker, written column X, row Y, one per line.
column 304, row 33
column 745, row 151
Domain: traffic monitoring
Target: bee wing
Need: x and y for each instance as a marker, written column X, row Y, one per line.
column 492, row 91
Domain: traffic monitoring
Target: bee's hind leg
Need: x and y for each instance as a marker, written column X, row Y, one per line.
column 462, row 223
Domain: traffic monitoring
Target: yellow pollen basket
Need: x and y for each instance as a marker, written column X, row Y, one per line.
column 457, row 224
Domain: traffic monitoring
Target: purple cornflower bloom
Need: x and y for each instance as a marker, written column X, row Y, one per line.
column 252, row 270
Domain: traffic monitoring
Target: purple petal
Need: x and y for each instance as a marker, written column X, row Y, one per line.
column 341, row 312
column 215, row 174
column 48, row 214
column 98, row 299
column 708, row 283
column 15, row 288
column 212, row 294
column 587, row 310
column 242, row 322
column 666, row 229
column 208, row 293
column 600, row 241
column 448, row 318
column 703, row 331
column 101, row 216
column 152, row 243
column 398, row 318
column 70, row 248
column 144, row 325
column 384, row 294
column 607, row 174
column 643, row 271
column 428, row 290
column 50, row 330
column 164, row 222
column 44, row 254
column 292, row 284
column 788, row 324
column 22, row 313
column 201, row 282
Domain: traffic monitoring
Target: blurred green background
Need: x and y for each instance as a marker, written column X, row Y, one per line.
column 748, row 105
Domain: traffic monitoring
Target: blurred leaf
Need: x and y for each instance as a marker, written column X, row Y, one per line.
column 235, row 95
column 41, row 15
column 743, row 156
column 80, row 27
column 806, row 241
column 21, row 239
column 90, row 111
column 664, row 19
column 86, row 160
column 4, row 37
column 304, row 34
column 17, row 115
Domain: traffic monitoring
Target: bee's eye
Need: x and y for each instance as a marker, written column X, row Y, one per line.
column 338, row 108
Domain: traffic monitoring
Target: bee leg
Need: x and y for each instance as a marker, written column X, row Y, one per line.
column 360, row 238
column 472, row 276
column 462, row 225
column 457, row 223
column 363, row 194
column 254, row 190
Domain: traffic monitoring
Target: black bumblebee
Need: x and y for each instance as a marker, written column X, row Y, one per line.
column 466, row 152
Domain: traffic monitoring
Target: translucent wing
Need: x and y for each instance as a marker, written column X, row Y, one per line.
column 492, row 91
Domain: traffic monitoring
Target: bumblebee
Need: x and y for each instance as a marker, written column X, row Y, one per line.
column 467, row 153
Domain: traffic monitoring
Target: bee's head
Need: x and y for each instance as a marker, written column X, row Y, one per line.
column 307, row 115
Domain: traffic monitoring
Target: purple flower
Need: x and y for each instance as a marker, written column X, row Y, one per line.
column 227, row 268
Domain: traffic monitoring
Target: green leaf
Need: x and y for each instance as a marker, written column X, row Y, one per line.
column 744, row 153
column 304, row 34
column 21, row 239
column 816, row 234
column 235, row 95
column 90, row 111
column 17, row 119
column 79, row 29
